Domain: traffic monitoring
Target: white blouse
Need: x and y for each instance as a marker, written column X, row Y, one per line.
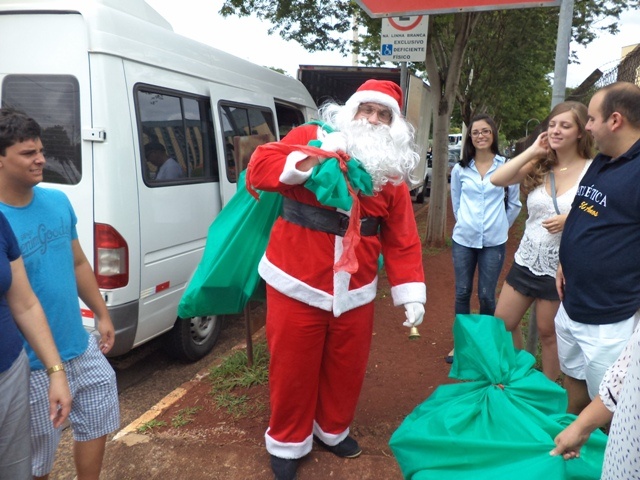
column 538, row 249
column 620, row 393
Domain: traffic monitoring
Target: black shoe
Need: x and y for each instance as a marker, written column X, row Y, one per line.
column 347, row 448
column 284, row 468
column 449, row 358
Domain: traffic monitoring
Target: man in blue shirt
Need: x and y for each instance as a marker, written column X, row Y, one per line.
column 45, row 225
column 599, row 276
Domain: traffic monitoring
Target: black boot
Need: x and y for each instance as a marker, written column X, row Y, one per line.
column 347, row 448
column 284, row 468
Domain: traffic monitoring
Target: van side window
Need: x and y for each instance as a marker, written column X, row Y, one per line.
column 288, row 118
column 54, row 102
column 176, row 134
column 244, row 129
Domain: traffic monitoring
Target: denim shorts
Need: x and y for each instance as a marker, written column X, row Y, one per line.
column 528, row 284
column 94, row 412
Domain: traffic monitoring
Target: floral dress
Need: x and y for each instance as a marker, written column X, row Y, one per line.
column 620, row 393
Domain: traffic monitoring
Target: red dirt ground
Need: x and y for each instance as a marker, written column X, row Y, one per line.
column 401, row 374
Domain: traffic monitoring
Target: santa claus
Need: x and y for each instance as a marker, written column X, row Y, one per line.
column 346, row 202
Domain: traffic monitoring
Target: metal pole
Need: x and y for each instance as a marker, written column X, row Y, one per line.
column 403, row 85
column 526, row 129
column 562, row 52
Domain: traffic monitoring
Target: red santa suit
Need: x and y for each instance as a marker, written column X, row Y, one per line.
column 319, row 321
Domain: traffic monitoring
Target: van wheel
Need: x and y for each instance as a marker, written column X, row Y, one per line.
column 190, row 339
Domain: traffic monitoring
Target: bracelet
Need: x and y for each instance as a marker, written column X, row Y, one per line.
column 56, row 368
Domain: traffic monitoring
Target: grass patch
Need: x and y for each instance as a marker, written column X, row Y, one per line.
column 236, row 405
column 383, row 293
column 150, row 425
column 184, row 416
column 433, row 251
column 233, row 373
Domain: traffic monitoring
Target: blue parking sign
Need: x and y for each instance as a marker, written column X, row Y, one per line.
column 387, row 49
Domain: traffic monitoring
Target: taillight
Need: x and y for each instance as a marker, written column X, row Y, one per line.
column 111, row 257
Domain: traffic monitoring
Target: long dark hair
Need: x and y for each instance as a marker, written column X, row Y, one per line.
column 469, row 151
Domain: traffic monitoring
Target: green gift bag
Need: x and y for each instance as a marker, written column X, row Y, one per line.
column 499, row 423
column 227, row 276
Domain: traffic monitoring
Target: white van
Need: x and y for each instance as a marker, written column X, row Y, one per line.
column 107, row 78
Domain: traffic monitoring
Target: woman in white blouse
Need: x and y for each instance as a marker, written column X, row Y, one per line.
column 550, row 171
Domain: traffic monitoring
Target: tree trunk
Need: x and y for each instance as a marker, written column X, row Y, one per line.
column 444, row 79
column 437, row 216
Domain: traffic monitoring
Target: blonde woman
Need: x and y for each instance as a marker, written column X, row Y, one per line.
column 549, row 171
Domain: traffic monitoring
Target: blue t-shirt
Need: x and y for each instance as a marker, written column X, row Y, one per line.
column 10, row 339
column 45, row 229
column 600, row 241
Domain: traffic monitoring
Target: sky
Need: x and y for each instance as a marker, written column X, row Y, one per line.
column 248, row 38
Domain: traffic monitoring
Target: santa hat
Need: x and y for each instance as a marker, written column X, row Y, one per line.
column 383, row 92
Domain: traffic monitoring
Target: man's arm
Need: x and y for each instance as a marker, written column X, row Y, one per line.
column 89, row 293
column 560, row 282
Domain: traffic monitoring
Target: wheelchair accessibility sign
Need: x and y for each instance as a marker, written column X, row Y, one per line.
column 404, row 39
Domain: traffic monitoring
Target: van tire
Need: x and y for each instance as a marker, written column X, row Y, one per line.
column 190, row 339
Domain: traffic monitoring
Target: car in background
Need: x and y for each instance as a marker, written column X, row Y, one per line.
column 454, row 157
column 455, row 140
column 426, row 189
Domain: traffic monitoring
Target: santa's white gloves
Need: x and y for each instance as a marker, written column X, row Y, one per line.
column 414, row 312
column 333, row 142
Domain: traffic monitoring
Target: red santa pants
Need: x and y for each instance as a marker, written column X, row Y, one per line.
column 316, row 371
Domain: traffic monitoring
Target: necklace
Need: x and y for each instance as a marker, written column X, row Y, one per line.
column 562, row 169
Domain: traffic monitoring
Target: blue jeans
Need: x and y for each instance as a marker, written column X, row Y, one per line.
column 489, row 261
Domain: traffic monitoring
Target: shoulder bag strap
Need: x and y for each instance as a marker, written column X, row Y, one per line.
column 553, row 191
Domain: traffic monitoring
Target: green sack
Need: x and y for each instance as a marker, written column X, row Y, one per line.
column 328, row 184
column 499, row 424
column 227, row 276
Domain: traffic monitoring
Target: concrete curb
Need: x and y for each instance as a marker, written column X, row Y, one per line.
column 179, row 392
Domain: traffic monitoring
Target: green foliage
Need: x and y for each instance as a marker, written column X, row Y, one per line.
column 511, row 84
column 316, row 25
column 234, row 373
column 150, row 425
column 279, row 70
column 184, row 416
column 511, row 52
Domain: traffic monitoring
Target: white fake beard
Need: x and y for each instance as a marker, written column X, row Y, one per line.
column 374, row 147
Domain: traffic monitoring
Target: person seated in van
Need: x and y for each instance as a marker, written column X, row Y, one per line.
column 168, row 167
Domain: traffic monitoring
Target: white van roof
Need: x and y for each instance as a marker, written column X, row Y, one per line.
column 133, row 29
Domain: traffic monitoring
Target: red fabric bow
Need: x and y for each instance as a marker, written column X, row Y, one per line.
column 347, row 261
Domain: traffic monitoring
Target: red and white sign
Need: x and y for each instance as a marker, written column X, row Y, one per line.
column 404, row 39
column 396, row 8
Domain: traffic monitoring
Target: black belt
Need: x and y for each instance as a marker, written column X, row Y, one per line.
column 324, row 220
